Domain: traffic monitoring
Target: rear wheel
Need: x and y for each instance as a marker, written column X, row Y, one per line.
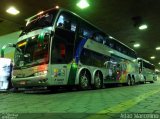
column 133, row 82
column 144, row 80
column 98, row 83
column 129, row 82
column 84, row 80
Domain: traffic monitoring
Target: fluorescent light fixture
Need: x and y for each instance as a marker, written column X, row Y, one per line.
column 136, row 45
column 159, row 63
column 12, row 10
column 157, row 48
column 57, row 7
column 83, row 4
column 153, row 57
column 142, row 27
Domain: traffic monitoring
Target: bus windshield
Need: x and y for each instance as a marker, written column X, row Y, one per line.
column 32, row 51
column 40, row 21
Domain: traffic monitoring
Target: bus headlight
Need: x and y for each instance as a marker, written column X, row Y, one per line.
column 40, row 73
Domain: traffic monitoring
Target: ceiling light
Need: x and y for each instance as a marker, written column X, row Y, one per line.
column 159, row 63
column 83, row 4
column 12, row 11
column 157, row 48
column 153, row 57
column 142, row 27
column 136, row 45
column 57, row 7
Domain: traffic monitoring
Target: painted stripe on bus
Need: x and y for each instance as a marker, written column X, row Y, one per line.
column 73, row 70
column 79, row 49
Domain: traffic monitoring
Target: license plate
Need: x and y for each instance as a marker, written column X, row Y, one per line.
column 22, row 83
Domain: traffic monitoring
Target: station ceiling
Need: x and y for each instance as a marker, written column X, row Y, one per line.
column 118, row 18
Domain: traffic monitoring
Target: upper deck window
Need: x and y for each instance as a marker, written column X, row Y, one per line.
column 67, row 22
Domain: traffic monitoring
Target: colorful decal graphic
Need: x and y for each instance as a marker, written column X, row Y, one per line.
column 58, row 72
column 118, row 70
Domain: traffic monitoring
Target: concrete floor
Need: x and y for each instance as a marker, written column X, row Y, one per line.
column 138, row 102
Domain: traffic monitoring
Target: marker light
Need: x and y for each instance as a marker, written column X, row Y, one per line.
column 142, row 27
column 83, row 4
column 111, row 51
column 22, row 44
column 41, row 12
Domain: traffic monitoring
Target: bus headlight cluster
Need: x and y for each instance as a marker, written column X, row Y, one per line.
column 41, row 73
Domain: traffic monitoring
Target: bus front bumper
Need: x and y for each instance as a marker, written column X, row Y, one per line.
column 35, row 81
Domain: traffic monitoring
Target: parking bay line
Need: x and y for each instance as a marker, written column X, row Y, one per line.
column 123, row 106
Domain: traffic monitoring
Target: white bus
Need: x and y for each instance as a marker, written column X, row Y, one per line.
column 147, row 71
column 59, row 48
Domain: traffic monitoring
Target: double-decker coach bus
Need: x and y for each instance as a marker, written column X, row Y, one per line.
column 147, row 70
column 59, row 48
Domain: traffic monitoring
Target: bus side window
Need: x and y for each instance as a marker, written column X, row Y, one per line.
column 98, row 38
column 86, row 30
column 67, row 22
column 106, row 41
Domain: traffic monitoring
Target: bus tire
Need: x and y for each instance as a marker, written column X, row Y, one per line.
column 15, row 90
column 145, row 80
column 129, row 82
column 151, row 81
column 98, row 81
column 84, row 80
column 133, row 82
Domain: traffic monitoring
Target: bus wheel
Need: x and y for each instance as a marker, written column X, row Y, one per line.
column 129, row 82
column 145, row 80
column 133, row 82
column 98, row 81
column 83, row 80
column 15, row 90
column 151, row 81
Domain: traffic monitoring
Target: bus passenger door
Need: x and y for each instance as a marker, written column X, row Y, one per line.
column 62, row 51
column 59, row 59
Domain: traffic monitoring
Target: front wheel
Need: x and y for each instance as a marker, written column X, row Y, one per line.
column 151, row 81
column 83, row 81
